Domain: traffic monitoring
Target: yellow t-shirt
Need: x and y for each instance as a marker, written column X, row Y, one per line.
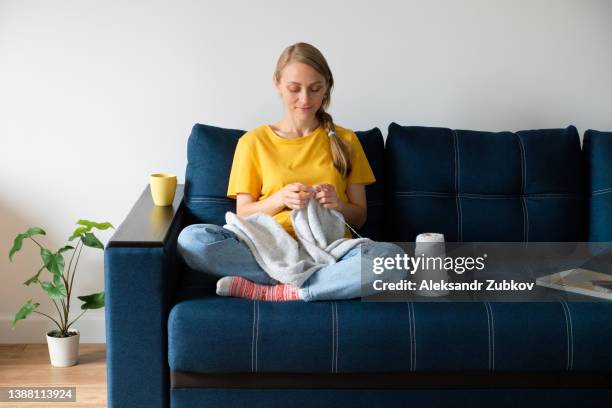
column 265, row 162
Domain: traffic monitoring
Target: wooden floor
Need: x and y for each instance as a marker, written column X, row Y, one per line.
column 29, row 365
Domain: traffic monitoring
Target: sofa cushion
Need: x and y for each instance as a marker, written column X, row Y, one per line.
column 212, row 334
column 210, row 151
column 597, row 148
column 374, row 147
column 484, row 186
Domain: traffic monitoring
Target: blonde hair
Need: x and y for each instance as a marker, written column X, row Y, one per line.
column 310, row 55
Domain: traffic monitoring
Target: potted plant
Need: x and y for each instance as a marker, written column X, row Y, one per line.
column 63, row 342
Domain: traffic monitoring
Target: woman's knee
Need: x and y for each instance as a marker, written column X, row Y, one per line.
column 197, row 236
column 376, row 249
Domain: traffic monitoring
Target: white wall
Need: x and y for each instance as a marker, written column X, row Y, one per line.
column 95, row 95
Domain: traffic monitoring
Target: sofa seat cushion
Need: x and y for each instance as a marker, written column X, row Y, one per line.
column 212, row 334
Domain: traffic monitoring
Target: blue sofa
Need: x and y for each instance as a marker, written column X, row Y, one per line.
column 172, row 342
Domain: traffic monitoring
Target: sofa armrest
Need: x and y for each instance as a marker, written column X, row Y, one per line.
column 597, row 148
column 140, row 269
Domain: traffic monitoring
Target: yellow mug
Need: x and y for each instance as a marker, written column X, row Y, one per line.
column 163, row 188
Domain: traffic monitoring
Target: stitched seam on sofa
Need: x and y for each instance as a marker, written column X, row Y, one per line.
column 523, row 188
column 413, row 339
column 488, row 335
column 567, row 334
column 519, row 196
column 414, row 344
column 430, row 193
column 522, row 181
column 485, row 195
column 459, row 188
column 569, row 313
column 457, row 199
column 409, row 335
column 257, row 341
column 333, row 331
column 546, row 196
column 337, row 333
column 551, row 195
column 601, row 191
column 253, row 341
column 571, row 332
column 333, row 337
column 255, row 334
column 492, row 334
column 492, row 338
column 333, row 311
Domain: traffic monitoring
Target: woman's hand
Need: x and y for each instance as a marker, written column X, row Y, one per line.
column 294, row 195
column 326, row 196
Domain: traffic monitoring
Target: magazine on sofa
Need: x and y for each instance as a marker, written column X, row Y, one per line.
column 582, row 281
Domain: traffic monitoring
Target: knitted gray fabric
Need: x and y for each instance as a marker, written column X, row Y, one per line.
column 321, row 241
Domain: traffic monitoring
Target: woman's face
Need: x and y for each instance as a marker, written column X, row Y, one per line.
column 302, row 89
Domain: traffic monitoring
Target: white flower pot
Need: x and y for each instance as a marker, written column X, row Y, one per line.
column 64, row 351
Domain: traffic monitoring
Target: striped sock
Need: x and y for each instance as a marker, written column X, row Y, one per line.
column 238, row 286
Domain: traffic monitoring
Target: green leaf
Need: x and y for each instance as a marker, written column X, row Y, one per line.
column 91, row 224
column 53, row 262
column 55, row 291
column 64, row 249
column 34, row 278
column 18, row 243
column 78, row 232
column 35, row 231
column 59, row 285
column 90, row 240
column 93, row 301
column 57, row 281
column 87, row 226
column 46, row 256
column 25, row 311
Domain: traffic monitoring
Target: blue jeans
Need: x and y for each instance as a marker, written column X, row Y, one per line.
column 214, row 250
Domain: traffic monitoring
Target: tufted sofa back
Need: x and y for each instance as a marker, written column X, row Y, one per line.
column 484, row 186
column 468, row 185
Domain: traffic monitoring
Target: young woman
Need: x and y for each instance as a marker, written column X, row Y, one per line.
column 277, row 168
